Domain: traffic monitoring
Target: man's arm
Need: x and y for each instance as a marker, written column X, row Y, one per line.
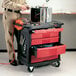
column 26, row 5
column 12, row 5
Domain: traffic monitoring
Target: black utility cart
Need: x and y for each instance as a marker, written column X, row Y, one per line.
column 40, row 44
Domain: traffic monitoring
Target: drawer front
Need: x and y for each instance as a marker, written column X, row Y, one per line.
column 46, row 33
column 35, row 60
column 50, row 51
column 44, row 40
column 61, row 49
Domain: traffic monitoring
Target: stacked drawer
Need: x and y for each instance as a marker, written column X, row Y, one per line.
column 45, row 36
column 42, row 37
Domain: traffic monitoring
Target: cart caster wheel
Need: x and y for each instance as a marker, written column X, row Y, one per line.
column 56, row 64
column 30, row 68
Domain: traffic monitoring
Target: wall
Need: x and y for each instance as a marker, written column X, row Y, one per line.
column 68, row 35
column 57, row 5
column 2, row 38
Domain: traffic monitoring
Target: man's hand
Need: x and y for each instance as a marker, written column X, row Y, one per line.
column 24, row 7
column 27, row 7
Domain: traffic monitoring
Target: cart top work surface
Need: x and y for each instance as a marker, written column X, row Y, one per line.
column 37, row 26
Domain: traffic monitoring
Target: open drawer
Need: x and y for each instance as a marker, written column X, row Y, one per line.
column 40, row 52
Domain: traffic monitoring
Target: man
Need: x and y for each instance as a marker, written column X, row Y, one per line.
column 11, row 12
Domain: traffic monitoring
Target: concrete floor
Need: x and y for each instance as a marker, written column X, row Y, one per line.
column 67, row 67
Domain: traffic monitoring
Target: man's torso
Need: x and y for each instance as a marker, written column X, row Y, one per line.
column 19, row 1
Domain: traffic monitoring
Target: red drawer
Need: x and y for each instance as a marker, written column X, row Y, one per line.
column 46, row 33
column 44, row 40
column 50, row 51
column 35, row 60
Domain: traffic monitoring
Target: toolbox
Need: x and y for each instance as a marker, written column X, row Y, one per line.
column 41, row 45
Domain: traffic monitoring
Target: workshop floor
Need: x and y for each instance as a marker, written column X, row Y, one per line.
column 67, row 68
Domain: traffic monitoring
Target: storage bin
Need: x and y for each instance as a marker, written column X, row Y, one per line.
column 46, row 33
column 44, row 41
column 35, row 60
column 49, row 51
